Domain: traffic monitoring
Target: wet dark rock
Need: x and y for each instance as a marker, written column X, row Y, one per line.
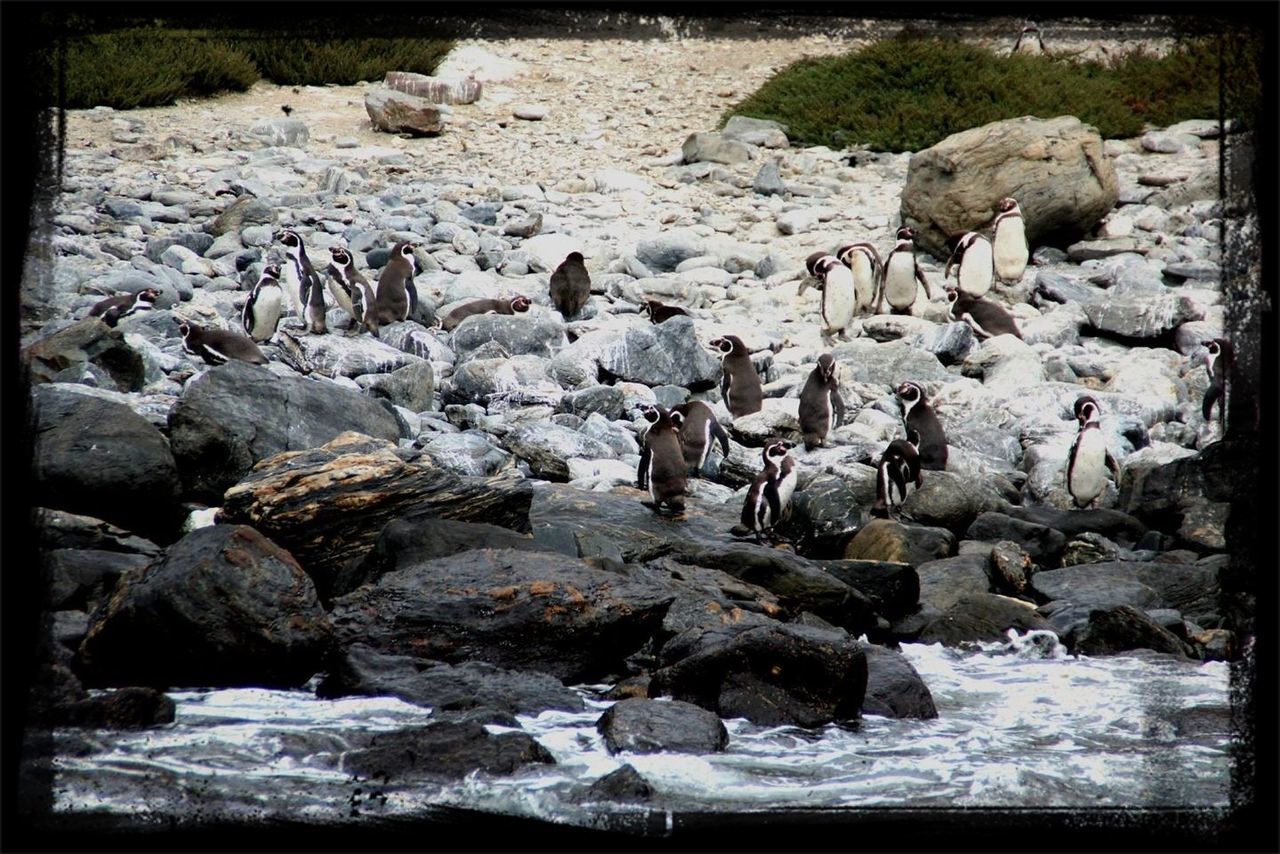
column 444, row 750
column 1011, row 566
column 1116, row 630
column 894, row 686
column 1107, row 522
column 713, row 599
column 893, row 588
column 887, row 540
column 64, row 355
column 945, row 582
column 948, row 500
column 981, row 617
column 826, row 512
column 642, row 725
column 58, row 529
column 625, row 784
column 224, row 607
column 1042, row 543
column 519, row 610
column 1190, row 588
column 83, row 578
column 123, row 708
column 770, row 675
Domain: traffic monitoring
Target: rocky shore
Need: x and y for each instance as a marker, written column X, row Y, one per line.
column 452, row 518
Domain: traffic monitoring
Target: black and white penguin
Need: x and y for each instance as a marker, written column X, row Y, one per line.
column 351, row 290
column 901, row 273
column 896, row 474
column 396, row 297
column 1029, row 41
column 739, row 383
column 514, row 305
column 1219, row 354
column 660, row 312
column 1089, row 458
column 1009, row 250
column 299, row 275
column 971, row 258
column 219, row 346
column 113, row 309
column 699, row 432
column 570, row 285
column 261, row 312
column 863, row 261
column 839, row 297
column 985, row 318
column 821, row 407
column 769, row 498
column 918, row 416
column 662, row 469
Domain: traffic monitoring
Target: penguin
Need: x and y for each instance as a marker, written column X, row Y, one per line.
column 219, row 346
column 662, row 469
column 985, row 318
column 974, row 268
column 1029, row 41
column 739, row 382
column 900, row 273
column 261, row 312
column 838, row 294
column 863, row 261
column 1086, row 478
column 898, row 469
column 396, row 297
column 1009, row 250
column 918, row 416
column 570, row 285
column 299, row 275
column 699, row 432
column 515, row 305
column 1219, row 354
column 342, row 267
column 113, row 309
column 316, row 309
column 821, row 407
column 768, row 500
column 660, row 312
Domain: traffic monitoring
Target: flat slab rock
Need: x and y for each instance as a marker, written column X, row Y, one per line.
column 640, row 725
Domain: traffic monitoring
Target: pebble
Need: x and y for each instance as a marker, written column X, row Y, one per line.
column 530, row 112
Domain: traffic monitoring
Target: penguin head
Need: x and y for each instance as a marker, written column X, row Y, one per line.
column 520, row 303
column 827, row 366
column 677, row 418
column 184, row 328
column 271, row 271
column 909, row 392
column 812, row 262
column 147, row 296
column 1006, row 205
column 292, row 242
column 728, row 344
column 906, row 233
column 650, row 412
column 1087, row 410
column 776, row 452
column 340, row 256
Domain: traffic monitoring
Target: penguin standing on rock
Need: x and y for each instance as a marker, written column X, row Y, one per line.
column 698, row 433
column 899, row 470
column 219, row 346
column 515, row 305
column 1219, row 354
column 769, row 498
column 299, row 275
column 985, row 318
column 113, row 309
column 662, row 469
column 863, row 261
column 1009, row 250
column 396, row 296
column 1029, row 41
column 261, row 312
column 919, row 417
column 1089, row 458
column 342, row 269
column 570, row 285
column 739, row 383
column 971, row 258
column 821, row 407
column 838, row 295
column 901, row 273
column 660, row 312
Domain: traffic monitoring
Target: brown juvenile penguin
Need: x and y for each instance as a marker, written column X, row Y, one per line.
column 396, row 296
column 662, row 468
column 660, row 312
column 739, row 383
column 515, row 305
column 570, row 285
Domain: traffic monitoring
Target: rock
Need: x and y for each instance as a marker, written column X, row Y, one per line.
column 446, row 750
column 641, row 725
column 328, row 505
column 826, row 513
column 358, row 670
column 99, row 458
column 946, row 581
column 665, row 354
column 768, row 181
column 887, row 540
column 337, row 355
column 574, row 621
column 664, row 252
column 412, row 386
column 625, row 784
column 123, row 708
column 548, row 447
column 224, row 607
column 948, row 500
column 711, row 147
column 1056, row 168
column 419, row 537
column 64, row 355
column 537, row 334
column 1011, row 566
column 797, row 221
column 245, row 209
column 287, row 131
column 1123, row 628
column 887, row 364
column 84, row 578
column 757, row 429
column 235, row 415
column 605, row 400
column 530, row 112
column 1131, row 313
column 787, row 674
column 1111, row 523
column 1191, row 589
column 467, row 453
column 437, row 90
column 981, row 617
column 893, row 588
column 763, row 132
column 398, row 112
column 894, row 687
column 1042, row 543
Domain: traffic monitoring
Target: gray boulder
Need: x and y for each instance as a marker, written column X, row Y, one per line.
column 663, row 354
column 537, row 334
column 894, row 687
column 399, row 112
column 713, row 147
column 641, row 725
column 765, row 133
column 547, row 447
column 65, row 355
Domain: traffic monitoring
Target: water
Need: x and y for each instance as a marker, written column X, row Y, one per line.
column 1014, row 730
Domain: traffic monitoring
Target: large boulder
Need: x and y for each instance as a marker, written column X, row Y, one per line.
column 1056, row 168
column 437, row 90
column 63, row 356
column 400, row 112
column 981, row 617
column 224, row 607
column 894, row 687
column 519, row 334
column 1121, row 629
column 641, row 725
column 444, row 750
column 237, row 414
column 664, row 354
column 888, row 540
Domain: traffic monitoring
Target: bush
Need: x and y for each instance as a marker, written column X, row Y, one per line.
column 910, row 92
column 310, row 62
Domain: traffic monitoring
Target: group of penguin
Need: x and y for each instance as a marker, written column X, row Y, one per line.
column 855, row 281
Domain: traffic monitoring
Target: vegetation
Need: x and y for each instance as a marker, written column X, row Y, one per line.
column 311, row 62
column 910, row 92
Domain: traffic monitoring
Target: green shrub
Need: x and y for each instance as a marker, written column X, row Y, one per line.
column 910, row 92
column 312, row 62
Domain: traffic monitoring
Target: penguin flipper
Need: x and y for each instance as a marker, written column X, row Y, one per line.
column 720, row 435
column 1212, row 394
column 412, row 290
column 923, row 280
column 642, row 471
column 775, row 502
column 837, row 404
column 1111, row 464
column 246, row 313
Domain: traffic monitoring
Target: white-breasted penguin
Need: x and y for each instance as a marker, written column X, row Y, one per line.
column 299, row 275
column 113, row 309
column 739, row 382
column 897, row 472
column 350, row 289
column 700, row 430
column 864, row 262
column 972, row 260
column 1219, row 354
column 901, row 273
column 514, row 305
column 919, row 416
column 769, row 498
column 396, row 297
column 821, row 407
column 839, row 297
column 1029, row 41
column 219, row 346
column 662, row 470
column 1009, row 250
column 1089, row 458
column 261, row 312
column 985, row 318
